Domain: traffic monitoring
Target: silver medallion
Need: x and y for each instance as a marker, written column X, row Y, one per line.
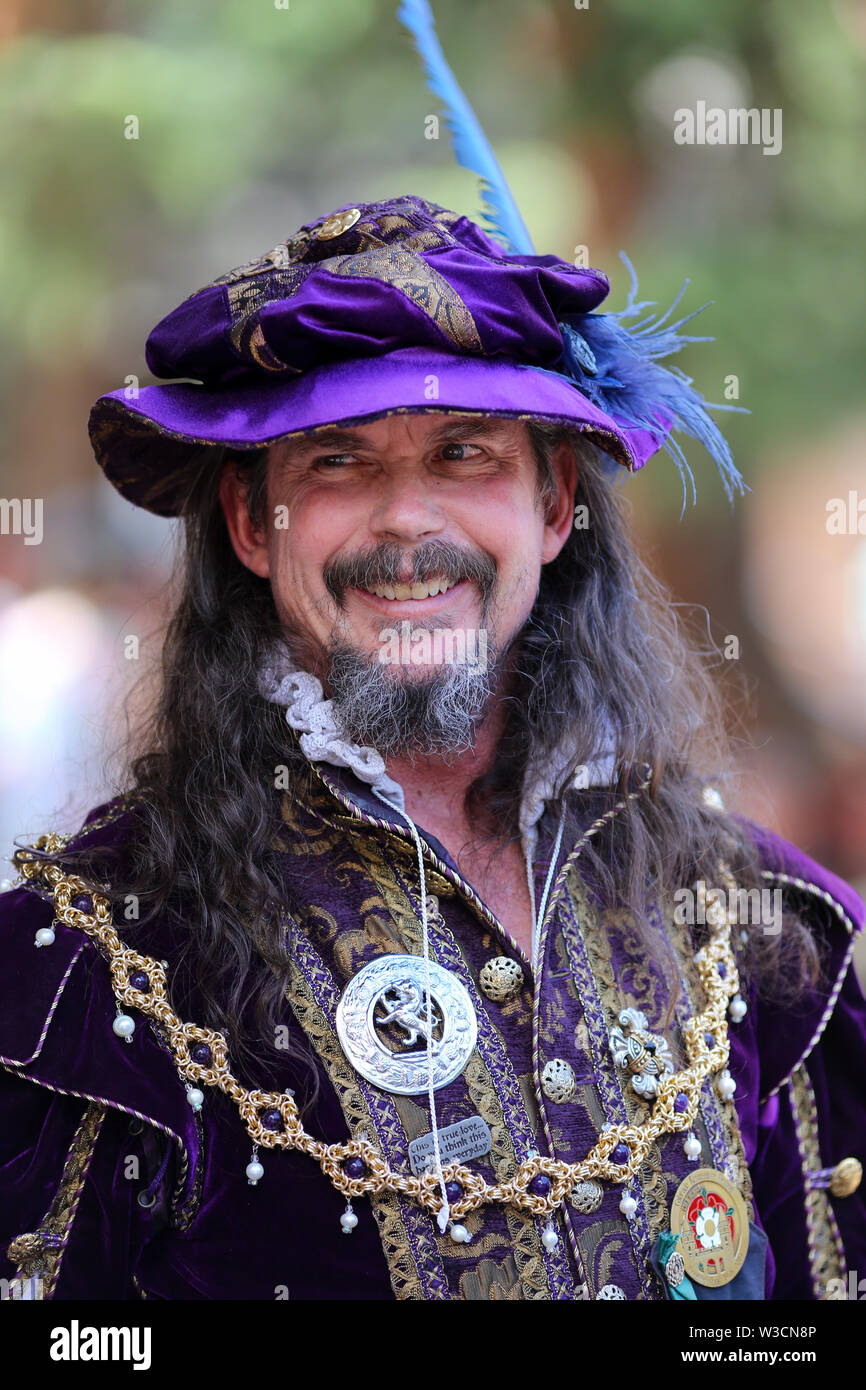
column 382, row 1024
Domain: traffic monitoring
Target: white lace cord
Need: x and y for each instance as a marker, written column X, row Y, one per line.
column 538, row 917
column 444, row 1214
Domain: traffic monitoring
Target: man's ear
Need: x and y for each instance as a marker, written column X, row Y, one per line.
column 559, row 511
column 248, row 540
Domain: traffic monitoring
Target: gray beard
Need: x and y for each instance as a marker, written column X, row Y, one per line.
column 434, row 714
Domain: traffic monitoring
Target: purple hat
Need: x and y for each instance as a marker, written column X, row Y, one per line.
column 395, row 306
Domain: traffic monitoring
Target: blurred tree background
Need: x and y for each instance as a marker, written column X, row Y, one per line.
column 253, row 118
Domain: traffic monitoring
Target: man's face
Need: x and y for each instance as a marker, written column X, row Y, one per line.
column 408, row 524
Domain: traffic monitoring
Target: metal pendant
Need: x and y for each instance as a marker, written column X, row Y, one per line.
column 382, row 1024
column 458, row 1143
column 709, row 1216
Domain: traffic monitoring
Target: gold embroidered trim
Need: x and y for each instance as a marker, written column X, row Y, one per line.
column 523, row 1230
column 405, row 1280
column 422, row 285
column 38, row 1254
column 379, row 1178
column 826, row 1252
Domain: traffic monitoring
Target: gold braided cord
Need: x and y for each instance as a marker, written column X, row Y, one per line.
column 379, row 1178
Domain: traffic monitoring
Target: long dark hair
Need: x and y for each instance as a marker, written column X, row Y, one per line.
column 603, row 654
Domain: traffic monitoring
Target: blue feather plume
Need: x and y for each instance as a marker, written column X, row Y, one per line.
column 471, row 147
column 616, row 366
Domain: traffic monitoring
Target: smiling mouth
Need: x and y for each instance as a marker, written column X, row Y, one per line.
column 402, row 592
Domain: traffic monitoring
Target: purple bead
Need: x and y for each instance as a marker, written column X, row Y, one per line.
column 82, row 902
column 201, row 1054
column 453, row 1191
column 709, row 1039
column 723, row 970
column 354, row 1167
column 272, row 1119
column 681, row 1103
column 541, row 1185
column 139, row 980
column 620, row 1154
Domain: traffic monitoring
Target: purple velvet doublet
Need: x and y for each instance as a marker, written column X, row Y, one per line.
column 112, row 1186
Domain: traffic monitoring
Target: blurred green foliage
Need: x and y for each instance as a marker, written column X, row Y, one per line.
column 317, row 98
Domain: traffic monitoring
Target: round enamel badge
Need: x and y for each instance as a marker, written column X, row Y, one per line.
column 709, row 1216
column 383, row 1028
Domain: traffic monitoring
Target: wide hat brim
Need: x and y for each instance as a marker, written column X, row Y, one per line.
column 150, row 444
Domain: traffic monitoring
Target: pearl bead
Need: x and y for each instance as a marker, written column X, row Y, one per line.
column 255, row 1171
column 726, row 1085
column 124, row 1026
column 195, row 1098
column 628, row 1206
column 348, row 1221
column 738, row 1009
column 692, row 1147
column 459, row 1234
column 44, row 937
column 549, row 1238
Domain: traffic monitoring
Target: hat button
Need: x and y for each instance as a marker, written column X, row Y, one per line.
column 339, row 223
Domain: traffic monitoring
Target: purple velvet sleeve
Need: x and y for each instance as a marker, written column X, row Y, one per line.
column 97, row 1225
column 837, row 1072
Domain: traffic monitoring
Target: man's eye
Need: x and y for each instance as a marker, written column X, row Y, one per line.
column 452, row 452
column 333, row 460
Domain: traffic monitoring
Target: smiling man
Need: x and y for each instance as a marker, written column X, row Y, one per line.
column 427, row 522
column 462, row 959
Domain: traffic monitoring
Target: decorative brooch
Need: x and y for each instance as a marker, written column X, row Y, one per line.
column 644, row 1054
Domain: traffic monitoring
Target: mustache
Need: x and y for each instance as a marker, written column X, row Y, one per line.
column 388, row 564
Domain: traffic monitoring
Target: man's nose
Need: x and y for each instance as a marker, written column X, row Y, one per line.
column 405, row 507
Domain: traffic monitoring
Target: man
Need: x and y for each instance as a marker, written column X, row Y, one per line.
column 418, row 921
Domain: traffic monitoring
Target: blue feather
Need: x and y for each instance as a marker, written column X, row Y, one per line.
column 622, row 376
column 471, row 147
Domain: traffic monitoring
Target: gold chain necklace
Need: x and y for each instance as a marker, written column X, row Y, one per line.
column 539, row 1185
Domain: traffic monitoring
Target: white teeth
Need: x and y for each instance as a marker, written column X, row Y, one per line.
column 401, row 592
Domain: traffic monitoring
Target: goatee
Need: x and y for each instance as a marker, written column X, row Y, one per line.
column 434, row 713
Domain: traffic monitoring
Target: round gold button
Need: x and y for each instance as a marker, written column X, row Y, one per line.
column 338, row 223
column 501, row 978
column 558, row 1081
column 846, row 1177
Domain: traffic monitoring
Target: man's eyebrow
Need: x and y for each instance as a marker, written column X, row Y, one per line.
column 340, row 439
